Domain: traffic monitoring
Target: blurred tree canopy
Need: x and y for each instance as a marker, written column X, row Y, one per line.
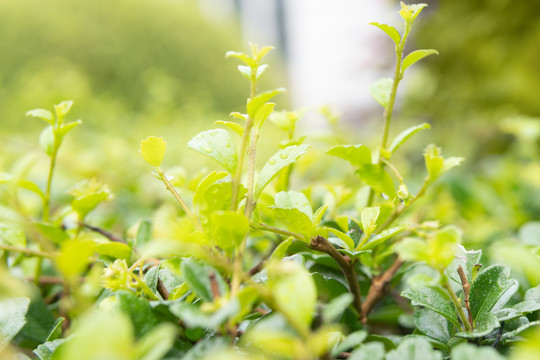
column 487, row 70
column 121, row 61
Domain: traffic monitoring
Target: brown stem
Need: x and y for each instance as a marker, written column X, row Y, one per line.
column 466, row 290
column 162, row 290
column 105, row 233
column 380, row 285
column 214, row 285
column 321, row 244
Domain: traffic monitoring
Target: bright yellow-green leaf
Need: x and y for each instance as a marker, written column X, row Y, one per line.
column 369, row 218
column 153, row 150
column 390, row 31
column 416, row 56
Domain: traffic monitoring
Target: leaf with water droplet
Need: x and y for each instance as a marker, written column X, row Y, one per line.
column 434, row 299
column 218, row 145
column 228, row 229
column 277, row 163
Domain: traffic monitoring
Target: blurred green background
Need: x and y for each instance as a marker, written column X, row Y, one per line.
column 140, row 68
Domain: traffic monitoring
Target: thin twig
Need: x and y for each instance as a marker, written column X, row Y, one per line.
column 321, row 244
column 30, row 252
column 105, row 233
column 466, row 290
column 214, row 285
column 380, row 285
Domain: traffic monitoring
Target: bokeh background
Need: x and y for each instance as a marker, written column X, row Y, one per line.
column 156, row 67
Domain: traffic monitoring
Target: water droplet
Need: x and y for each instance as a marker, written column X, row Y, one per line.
column 284, row 155
column 204, row 220
column 272, row 161
column 206, row 149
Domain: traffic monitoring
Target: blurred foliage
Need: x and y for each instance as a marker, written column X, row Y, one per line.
column 126, row 61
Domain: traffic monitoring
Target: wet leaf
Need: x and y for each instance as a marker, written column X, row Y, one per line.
column 433, row 299
column 153, row 150
column 218, row 145
column 414, row 348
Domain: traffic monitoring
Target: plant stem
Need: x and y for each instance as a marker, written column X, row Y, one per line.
column 181, row 201
column 457, row 304
column 466, row 290
column 235, row 183
column 26, row 251
column 276, row 230
column 103, row 232
column 388, row 111
column 321, row 244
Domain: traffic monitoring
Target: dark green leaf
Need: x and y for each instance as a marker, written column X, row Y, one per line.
column 197, row 276
column 138, row 310
column 193, row 316
column 414, row 348
column 483, row 325
column 144, row 233
column 45, row 350
column 433, row 299
column 336, row 307
column 432, row 324
column 12, row 316
column 491, row 290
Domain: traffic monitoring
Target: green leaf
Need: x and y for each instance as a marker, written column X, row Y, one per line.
column 335, row 308
column 75, row 257
column 87, row 195
column 294, row 291
column 491, row 290
column 380, row 91
column 256, row 103
column 346, row 239
column 351, row 341
column 414, row 348
column 281, row 250
column 115, row 250
column 46, row 140
column 64, row 129
column 205, row 184
column 432, row 324
column 369, row 351
column 42, row 114
column 228, row 229
column 138, row 310
column 416, row 56
column 276, row 163
column 218, row 145
column 263, row 114
column 31, row 186
column 231, row 125
column 296, row 221
column 369, row 218
column 62, row 109
column 357, row 155
column 39, row 321
column 433, row 299
column 45, row 351
column 436, row 165
column 483, row 325
column 319, row 213
column 12, row 316
column 197, row 276
column 383, row 236
column 144, row 233
column 377, row 178
column 193, row 316
column 245, row 70
column 248, row 60
column 465, row 351
column 54, row 233
column 153, row 150
column 390, row 31
column 155, row 344
column 293, row 200
column 531, row 302
column 467, row 260
column 12, row 234
column 406, row 134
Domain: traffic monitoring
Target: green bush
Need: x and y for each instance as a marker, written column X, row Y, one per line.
column 293, row 259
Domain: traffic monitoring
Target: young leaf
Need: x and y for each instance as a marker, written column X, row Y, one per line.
column 293, row 200
column 369, row 218
column 231, row 125
column 276, row 163
column 47, row 140
column 218, row 145
column 42, row 114
column 376, row 177
column 281, row 250
column 406, row 134
column 296, row 221
column 262, row 114
column 436, row 165
column 383, row 236
column 197, row 276
column 346, row 239
column 115, row 250
column 491, row 290
column 380, row 91
column 228, row 229
column 248, row 60
column 153, row 150
column 433, row 299
column 254, row 104
column 294, row 291
column 390, row 31
column 245, row 70
column 416, row 56
column 357, row 155
column 64, row 129
column 62, row 109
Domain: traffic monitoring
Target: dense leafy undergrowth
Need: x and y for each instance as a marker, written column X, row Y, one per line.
column 252, row 265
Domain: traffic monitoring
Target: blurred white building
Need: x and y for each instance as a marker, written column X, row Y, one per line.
column 332, row 54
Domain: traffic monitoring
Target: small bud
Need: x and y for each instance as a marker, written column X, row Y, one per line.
column 403, row 193
column 116, row 276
